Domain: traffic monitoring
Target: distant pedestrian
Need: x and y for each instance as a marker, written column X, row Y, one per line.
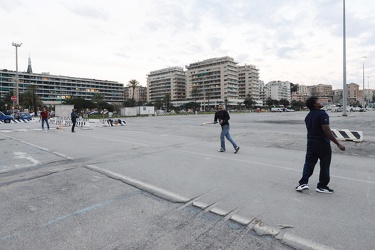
column 44, row 117
column 74, row 117
column 223, row 117
column 319, row 136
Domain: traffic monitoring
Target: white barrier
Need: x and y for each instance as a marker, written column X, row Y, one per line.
column 67, row 122
column 83, row 124
column 63, row 121
column 347, row 135
column 111, row 123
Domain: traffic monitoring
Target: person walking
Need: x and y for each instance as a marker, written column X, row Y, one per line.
column 74, row 117
column 223, row 117
column 44, row 117
column 319, row 137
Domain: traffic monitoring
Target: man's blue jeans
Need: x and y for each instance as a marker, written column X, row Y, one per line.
column 225, row 133
column 45, row 120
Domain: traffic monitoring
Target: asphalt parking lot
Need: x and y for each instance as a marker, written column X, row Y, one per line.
column 170, row 157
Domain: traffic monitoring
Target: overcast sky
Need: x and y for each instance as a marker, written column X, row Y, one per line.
column 300, row 41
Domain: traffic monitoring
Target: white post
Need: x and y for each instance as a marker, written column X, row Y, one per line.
column 17, row 92
column 344, row 92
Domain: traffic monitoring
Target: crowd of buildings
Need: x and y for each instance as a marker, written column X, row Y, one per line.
column 209, row 82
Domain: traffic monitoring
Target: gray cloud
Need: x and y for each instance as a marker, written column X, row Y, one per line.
column 9, row 6
column 87, row 11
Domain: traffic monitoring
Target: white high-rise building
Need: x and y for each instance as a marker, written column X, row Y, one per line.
column 166, row 81
column 248, row 77
column 213, row 81
column 278, row 90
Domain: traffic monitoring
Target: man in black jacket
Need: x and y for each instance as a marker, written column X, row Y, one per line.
column 74, row 117
column 223, row 117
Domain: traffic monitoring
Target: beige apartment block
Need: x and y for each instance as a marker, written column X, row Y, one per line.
column 302, row 93
column 303, row 90
column 140, row 93
column 169, row 81
column 321, row 90
column 354, row 93
column 214, row 81
column 248, row 78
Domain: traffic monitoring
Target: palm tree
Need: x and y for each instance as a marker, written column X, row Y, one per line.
column 167, row 100
column 97, row 98
column 7, row 99
column 226, row 102
column 195, row 93
column 249, row 101
column 208, row 95
column 133, row 84
column 29, row 98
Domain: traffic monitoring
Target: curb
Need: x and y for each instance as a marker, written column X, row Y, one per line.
column 255, row 224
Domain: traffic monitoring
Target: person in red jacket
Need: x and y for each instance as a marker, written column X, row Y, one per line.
column 44, row 117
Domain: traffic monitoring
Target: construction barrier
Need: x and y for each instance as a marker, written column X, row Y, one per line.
column 67, row 122
column 83, row 124
column 347, row 135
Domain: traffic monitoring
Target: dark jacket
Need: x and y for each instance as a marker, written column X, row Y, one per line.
column 222, row 115
column 314, row 121
column 74, row 116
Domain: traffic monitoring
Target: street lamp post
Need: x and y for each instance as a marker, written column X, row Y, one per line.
column 368, row 90
column 344, row 92
column 363, row 81
column 17, row 45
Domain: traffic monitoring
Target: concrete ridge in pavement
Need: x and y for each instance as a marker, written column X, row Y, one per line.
column 255, row 224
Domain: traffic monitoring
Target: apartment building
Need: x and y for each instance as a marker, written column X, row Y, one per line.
column 303, row 92
column 321, row 90
column 354, row 93
column 166, row 81
column 140, row 93
column 214, row 81
column 53, row 89
column 278, row 90
column 248, row 79
column 369, row 95
column 262, row 91
column 337, row 96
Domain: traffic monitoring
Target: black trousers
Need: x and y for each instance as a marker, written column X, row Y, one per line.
column 73, row 126
column 317, row 151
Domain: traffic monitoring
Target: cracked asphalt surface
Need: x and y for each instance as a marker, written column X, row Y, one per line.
column 65, row 206
column 51, row 198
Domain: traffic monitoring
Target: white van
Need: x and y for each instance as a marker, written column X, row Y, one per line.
column 276, row 110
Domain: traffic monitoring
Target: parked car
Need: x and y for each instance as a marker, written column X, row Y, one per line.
column 93, row 112
column 25, row 116
column 276, row 110
column 5, row 118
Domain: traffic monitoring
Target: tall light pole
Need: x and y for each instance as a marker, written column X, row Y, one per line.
column 363, row 81
column 17, row 45
column 344, row 92
column 368, row 90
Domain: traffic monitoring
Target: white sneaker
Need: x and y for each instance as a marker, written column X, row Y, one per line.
column 302, row 187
